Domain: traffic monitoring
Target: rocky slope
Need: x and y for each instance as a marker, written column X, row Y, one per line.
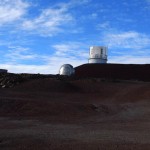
column 45, row 112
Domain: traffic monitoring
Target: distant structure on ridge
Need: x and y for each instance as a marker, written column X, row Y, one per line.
column 3, row 71
column 98, row 54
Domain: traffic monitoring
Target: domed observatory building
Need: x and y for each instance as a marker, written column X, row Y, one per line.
column 98, row 54
column 67, row 70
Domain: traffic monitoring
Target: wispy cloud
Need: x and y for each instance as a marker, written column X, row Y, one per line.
column 129, row 47
column 76, row 49
column 54, row 19
column 11, row 10
column 16, row 53
column 129, row 59
column 75, row 53
column 21, row 68
column 49, row 22
column 130, row 40
column 104, row 26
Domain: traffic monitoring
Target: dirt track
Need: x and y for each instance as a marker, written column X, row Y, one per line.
column 48, row 113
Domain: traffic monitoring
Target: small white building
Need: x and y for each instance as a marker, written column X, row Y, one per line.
column 98, row 54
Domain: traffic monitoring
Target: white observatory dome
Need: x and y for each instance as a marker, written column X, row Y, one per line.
column 66, row 70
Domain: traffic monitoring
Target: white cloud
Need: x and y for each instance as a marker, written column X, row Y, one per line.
column 53, row 66
column 131, row 39
column 49, row 22
column 67, row 53
column 129, row 59
column 55, row 62
column 104, row 26
column 71, row 52
column 76, row 49
column 12, row 10
column 127, row 47
column 54, row 19
column 16, row 53
column 20, row 68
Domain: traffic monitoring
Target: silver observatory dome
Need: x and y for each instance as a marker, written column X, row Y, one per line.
column 66, row 70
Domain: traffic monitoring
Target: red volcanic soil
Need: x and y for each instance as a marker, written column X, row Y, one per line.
column 75, row 114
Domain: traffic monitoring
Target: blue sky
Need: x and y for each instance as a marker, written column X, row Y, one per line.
column 38, row 36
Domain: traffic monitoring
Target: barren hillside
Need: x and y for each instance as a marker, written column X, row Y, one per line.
column 49, row 112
